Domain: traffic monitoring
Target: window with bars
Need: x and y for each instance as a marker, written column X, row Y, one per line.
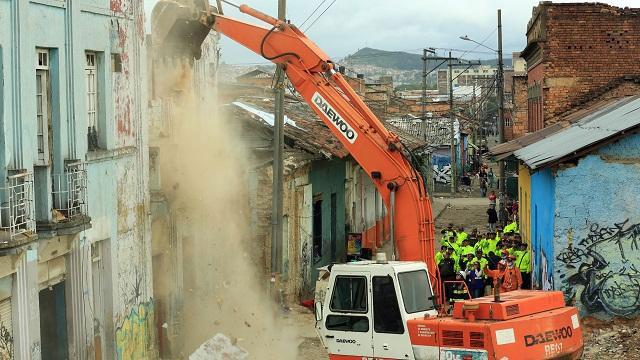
column 91, row 73
column 43, row 111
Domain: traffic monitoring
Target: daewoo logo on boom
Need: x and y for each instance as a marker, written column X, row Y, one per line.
column 345, row 129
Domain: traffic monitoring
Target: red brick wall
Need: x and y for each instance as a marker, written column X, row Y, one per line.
column 587, row 46
column 535, row 98
column 519, row 108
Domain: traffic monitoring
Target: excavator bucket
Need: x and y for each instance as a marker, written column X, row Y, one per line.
column 179, row 27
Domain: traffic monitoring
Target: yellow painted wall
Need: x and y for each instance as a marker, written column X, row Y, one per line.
column 524, row 197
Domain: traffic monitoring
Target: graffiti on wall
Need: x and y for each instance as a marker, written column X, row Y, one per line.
column 442, row 174
column 441, row 168
column 36, row 350
column 305, row 266
column 546, row 277
column 6, row 342
column 602, row 272
column 134, row 334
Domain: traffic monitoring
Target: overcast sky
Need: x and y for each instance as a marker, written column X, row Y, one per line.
column 408, row 25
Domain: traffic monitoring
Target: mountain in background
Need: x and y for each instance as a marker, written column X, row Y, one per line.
column 399, row 60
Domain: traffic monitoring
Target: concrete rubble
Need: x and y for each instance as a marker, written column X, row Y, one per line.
column 611, row 341
column 219, row 347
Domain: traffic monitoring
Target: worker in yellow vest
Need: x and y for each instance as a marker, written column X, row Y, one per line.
column 462, row 235
column 512, row 227
column 523, row 262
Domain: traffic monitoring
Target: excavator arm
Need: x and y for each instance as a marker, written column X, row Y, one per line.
column 378, row 151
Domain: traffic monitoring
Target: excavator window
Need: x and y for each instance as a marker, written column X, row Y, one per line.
column 349, row 294
column 386, row 311
column 416, row 292
column 347, row 323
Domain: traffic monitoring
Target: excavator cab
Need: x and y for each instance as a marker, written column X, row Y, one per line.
column 367, row 305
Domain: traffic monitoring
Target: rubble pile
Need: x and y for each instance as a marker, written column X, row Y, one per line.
column 612, row 340
column 219, row 347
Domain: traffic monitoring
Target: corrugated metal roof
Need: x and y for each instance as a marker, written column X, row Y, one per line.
column 587, row 131
column 504, row 150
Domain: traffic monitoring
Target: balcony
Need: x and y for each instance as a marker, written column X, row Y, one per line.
column 17, row 215
column 70, row 211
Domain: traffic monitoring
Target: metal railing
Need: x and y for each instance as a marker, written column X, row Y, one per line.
column 17, row 212
column 70, row 191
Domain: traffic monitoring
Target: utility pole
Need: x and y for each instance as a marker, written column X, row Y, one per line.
column 500, row 88
column 424, row 114
column 424, row 90
column 474, row 116
column 452, row 141
column 278, row 167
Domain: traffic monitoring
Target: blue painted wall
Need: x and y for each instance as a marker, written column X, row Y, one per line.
column 597, row 231
column 542, row 222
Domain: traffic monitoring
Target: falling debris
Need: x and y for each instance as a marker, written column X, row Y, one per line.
column 219, row 347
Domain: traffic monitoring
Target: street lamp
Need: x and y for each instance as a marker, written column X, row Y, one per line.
column 467, row 38
column 500, row 90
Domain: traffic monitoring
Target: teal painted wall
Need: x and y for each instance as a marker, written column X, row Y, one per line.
column 328, row 177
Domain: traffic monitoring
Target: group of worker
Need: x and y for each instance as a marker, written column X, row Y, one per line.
column 497, row 259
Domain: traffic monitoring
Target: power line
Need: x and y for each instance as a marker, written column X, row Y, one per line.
column 313, row 12
column 319, row 16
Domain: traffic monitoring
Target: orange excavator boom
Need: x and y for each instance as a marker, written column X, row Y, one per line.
column 378, row 151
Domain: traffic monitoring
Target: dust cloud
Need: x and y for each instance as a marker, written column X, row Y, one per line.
column 204, row 175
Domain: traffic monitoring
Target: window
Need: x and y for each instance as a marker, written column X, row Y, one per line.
column 317, row 227
column 349, row 294
column 347, row 323
column 416, row 293
column 386, row 312
column 116, row 63
column 91, row 70
column 508, row 122
column 43, row 112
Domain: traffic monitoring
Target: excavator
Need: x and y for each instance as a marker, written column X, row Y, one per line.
column 379, row 309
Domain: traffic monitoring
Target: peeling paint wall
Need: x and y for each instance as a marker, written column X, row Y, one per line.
column 365, row 210
column 117, row 184
column 597, row 231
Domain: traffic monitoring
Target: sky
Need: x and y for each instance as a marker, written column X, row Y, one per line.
column 397, row 25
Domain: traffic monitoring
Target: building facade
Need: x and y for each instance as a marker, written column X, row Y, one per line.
column 579, row 212
column 564, row 63
column 76, row 252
